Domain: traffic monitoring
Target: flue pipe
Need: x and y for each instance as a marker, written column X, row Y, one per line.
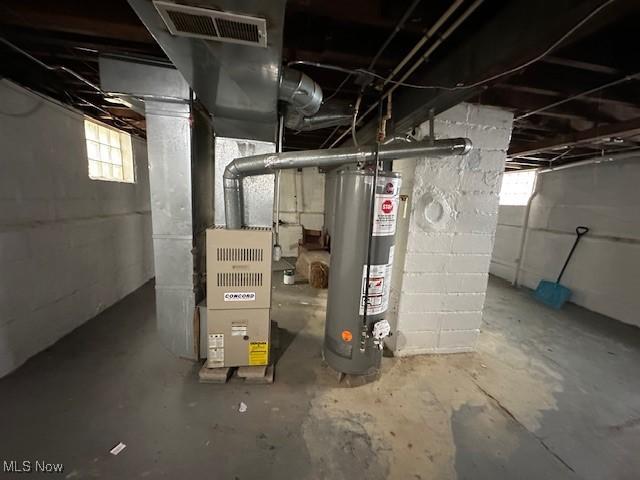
column 272, row 162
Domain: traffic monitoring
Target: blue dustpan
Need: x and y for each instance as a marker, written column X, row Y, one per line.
column 554, row 294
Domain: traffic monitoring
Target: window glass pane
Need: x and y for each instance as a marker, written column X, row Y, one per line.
column 94, row 169
column 517, row 187
column 107, row 172
column 90, row 130
column 116, row 157
column 104, row 153
column 114, row 139
column 109, row 153
column 93, row 150
column 103, row 135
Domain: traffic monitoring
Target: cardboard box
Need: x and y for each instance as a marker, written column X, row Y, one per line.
column 239, row 269
column 237, row 338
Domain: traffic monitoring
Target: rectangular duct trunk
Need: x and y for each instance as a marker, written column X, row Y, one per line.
column 169, row 147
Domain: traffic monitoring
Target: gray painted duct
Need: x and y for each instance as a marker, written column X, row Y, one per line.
column 305, row 110
column 330, row 115
column 299, row 90
column 237, row 84
column 269, row 163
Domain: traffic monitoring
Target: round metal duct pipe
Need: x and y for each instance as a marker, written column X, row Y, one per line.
column 299, row 90
column 270, row 162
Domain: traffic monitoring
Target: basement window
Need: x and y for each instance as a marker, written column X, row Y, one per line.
column 517, row 187
column 109, row 153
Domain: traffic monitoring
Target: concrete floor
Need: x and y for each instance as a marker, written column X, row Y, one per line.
column 548, row 395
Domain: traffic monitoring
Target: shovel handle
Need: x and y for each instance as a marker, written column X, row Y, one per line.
column 580, row 231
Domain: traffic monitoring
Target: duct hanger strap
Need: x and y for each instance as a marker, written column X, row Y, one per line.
column 269, row 163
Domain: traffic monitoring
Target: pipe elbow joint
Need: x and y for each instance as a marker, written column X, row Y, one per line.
column 299, row 90
column 232, row 172
column 468, row 146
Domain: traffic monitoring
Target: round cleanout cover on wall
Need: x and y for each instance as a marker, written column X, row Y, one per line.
column 433, row 212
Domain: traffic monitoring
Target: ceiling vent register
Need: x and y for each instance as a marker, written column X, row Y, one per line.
column 196, row 22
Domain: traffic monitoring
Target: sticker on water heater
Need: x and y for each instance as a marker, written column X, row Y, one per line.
column 379, row 287
column 386, row 206
column 376, row 285
column 384, row 222
column 240, row 296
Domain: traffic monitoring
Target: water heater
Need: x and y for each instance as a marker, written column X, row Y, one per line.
column 363, row 247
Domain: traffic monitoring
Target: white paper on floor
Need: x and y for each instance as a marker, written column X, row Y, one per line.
column 117, row 449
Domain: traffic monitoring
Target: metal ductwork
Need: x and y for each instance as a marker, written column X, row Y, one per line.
column 230, row 54
column 316, row 122
column 269, row 163
column 330, row 115
column 300, row 91
column 305, row 110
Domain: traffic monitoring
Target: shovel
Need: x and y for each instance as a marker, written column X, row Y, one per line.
column 554, row 294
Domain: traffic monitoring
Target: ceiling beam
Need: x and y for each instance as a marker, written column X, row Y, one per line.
column 543, row 92
column 523, row 100
column 519, row 32
column 335, row 57
column 622, row 129
column 113, row 20
column 28, row 38
column 358, row 12
column 530, row 163
column 579, row 65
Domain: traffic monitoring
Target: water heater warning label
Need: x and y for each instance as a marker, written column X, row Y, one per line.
column 386, row 206
column 379, row 287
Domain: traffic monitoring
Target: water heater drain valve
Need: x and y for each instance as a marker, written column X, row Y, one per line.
column 381, row 330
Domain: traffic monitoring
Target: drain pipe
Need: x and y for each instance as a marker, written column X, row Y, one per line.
column 271, row 163
column 525, row 230
column 277, row 249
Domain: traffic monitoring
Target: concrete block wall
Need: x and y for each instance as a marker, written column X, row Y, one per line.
column 69, row 246
column 603, row 271
column 301, row 205
column 506, row 249
column 445, row 240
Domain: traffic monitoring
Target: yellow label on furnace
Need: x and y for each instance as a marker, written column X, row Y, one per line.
column 258, row 353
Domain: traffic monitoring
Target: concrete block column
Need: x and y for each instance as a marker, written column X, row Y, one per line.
column 445, row 240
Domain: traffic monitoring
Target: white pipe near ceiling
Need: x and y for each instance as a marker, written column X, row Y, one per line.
column 422, row 59
column 594, row 160
column 430, row 33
